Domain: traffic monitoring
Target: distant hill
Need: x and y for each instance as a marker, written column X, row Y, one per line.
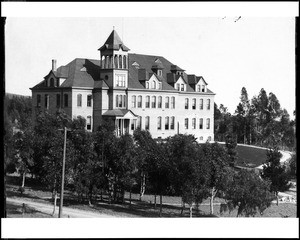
column 11, row 95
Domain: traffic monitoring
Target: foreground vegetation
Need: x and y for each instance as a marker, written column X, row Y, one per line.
column 145, row 208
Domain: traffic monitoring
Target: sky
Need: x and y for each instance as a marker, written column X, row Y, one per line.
column 229, row 53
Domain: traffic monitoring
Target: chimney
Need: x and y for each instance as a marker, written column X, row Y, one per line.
column 53, row 64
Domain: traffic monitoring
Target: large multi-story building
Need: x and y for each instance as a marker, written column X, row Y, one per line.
column 133, row 90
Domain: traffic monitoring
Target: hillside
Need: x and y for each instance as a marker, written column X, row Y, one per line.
column 11, row 95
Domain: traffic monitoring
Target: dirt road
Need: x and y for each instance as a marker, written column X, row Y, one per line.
column 48, row 209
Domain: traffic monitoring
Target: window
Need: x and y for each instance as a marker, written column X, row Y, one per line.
column 124, row 62
column 201, row 104
column 159, row 123
column 186, row 104
column 89, row 123
column 79, row 100
column 153, row 102
column 147, row 123
column 133, row 124
column 89, row 100
column 120, row 80
column 58, row 100
column 147, row 101
column 147, row 85
column 194, row 123
column 186, row 123
column 117, row 101
column 172, row 102
column 208, row 104
column 133, row 101
column 172, row 123
column 66, row 100
column 120, row 101
column 166, row 123
column 159, row 85
column 203, row 88
column 207, row 123
column 201, row 123
column 51, row 82
column 201, row 138
column 159, row 72
column 167, row 102
column 124, row 101
column 198, row 88
column 159, row 102
column 194, row 103
column 139, row 101
column 209, row 138
column 182, row 87
column 120, row 62
column 38, row 100
column 116, row 61
column 46, row 101
column 139, row 122
column 178, row 86
column 153, row 84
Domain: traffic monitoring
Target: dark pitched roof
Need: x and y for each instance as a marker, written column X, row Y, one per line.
column 114, row 42
column 90, row 77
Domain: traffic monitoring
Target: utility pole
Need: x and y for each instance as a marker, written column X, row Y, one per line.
column 63, row 176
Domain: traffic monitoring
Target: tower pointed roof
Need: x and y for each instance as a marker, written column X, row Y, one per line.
column 114, row 42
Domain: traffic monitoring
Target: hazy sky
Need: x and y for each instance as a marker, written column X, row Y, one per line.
column 251, row 52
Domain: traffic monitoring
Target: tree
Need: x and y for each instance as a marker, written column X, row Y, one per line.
column 248, row 193
column 275, row 172
column 187, row 176
column 23, row 148
column 230, row 145
column 217, row 169
column 48, row 150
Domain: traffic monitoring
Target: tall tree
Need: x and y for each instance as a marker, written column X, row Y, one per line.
column 230, row 145
column 217, row 169
column 275, row 172
column 248, row 193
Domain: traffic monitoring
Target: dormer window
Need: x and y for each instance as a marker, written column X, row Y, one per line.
column 198, row 88
column 159, row 72
column 182, row 87
column 178, row 86
column 153, row 84
column 203, row 88
column 147, row 85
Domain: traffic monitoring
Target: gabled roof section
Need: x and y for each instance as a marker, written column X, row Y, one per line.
column 201, row 78
column 125, row 113
column 114, row 42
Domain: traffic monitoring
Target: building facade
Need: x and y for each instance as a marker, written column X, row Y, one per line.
column 133, row 90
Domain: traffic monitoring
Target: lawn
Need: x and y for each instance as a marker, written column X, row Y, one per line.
column 250, row 156
column 145, row 208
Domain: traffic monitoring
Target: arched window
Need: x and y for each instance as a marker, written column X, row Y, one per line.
column 201, row 104
column 124, row 62
column 209, row 138
column 159, row 123
column 147, row 101
column 208, row 104
column 139, row 122
column 172, row 123
column 47, row 101
column 120, row 101
column 193, row 123
column 147, row 123
column 106, row 61
column 133, row 101
column 167, row 102
column 194, row 103
column 186, row 123
column 186, row 103
column 38, row 100
column 207, row 123
column 201, row 123
column 153, row 102
column 159, row 102
column 51, row 82
column 120, row 62
column 79, row 100
column 111, row 61
column 139, row 101
column 153, row 84
column 116, row 61
column 166, row 123
column 172, row 102
column 124, row 101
